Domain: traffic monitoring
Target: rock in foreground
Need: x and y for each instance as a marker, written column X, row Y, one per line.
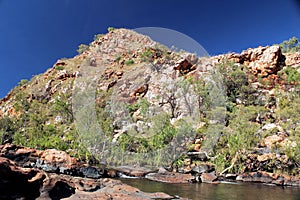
column 114, row 189
column 51, row 174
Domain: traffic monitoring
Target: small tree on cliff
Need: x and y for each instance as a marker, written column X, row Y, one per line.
column 290, row 46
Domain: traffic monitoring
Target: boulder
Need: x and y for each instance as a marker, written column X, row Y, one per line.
column 208, row 177
column 272, row 140
column 115, row 189
column 184, row 66
column 266, row 157
column 293, row 60
column 56, row 157
column 141, row 91
column 263, row 61
column 192, row 58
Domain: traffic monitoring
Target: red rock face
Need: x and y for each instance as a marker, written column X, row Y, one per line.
column 263, row 61
column 185, row 67
column 53, row 156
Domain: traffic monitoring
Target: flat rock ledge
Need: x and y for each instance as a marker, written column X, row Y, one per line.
column 170, row 177
column 269, row 178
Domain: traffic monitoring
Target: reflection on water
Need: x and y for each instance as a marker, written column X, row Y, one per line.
column 218, row 191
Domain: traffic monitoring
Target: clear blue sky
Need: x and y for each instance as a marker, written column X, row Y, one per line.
column 35, row 33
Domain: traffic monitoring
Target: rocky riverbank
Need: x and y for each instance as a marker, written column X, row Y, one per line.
column 52, row 174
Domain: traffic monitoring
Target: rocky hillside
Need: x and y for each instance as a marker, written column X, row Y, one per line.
column 128, row 95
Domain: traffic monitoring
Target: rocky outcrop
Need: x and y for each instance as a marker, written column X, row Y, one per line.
column 50, row 160
column 57, row 186
column 17, row 182
column 141, row 91
column 52, row 174
column 184, row 67
column 261, row 61
column 293, row 60
column 64, row 74
column 29, row 183
column 209, row 177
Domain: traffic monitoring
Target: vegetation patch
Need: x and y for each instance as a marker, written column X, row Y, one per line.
column 129, row 62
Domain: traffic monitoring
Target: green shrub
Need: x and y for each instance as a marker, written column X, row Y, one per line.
column 236, row 82
column 147, row 55
column 288, row 108
column 160, row 134
column 179, row 162
column 7, row 128
column 290, row 75
column 63, row 107
column 59, row 67
column 238, row 138
column 98, row 36
column 118, row 58
column 110, row 29
column 82, row 48
column 23, row 82
column 290, row 46
column 103, row 112
column 21, row 104
column 162, row 138
column 129, row 62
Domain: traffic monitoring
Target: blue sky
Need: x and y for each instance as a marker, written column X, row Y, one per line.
column 35, row 33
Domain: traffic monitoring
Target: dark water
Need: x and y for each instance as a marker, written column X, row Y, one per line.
column 221, row 191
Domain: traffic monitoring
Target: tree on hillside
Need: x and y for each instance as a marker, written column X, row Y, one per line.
column 291, row 45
